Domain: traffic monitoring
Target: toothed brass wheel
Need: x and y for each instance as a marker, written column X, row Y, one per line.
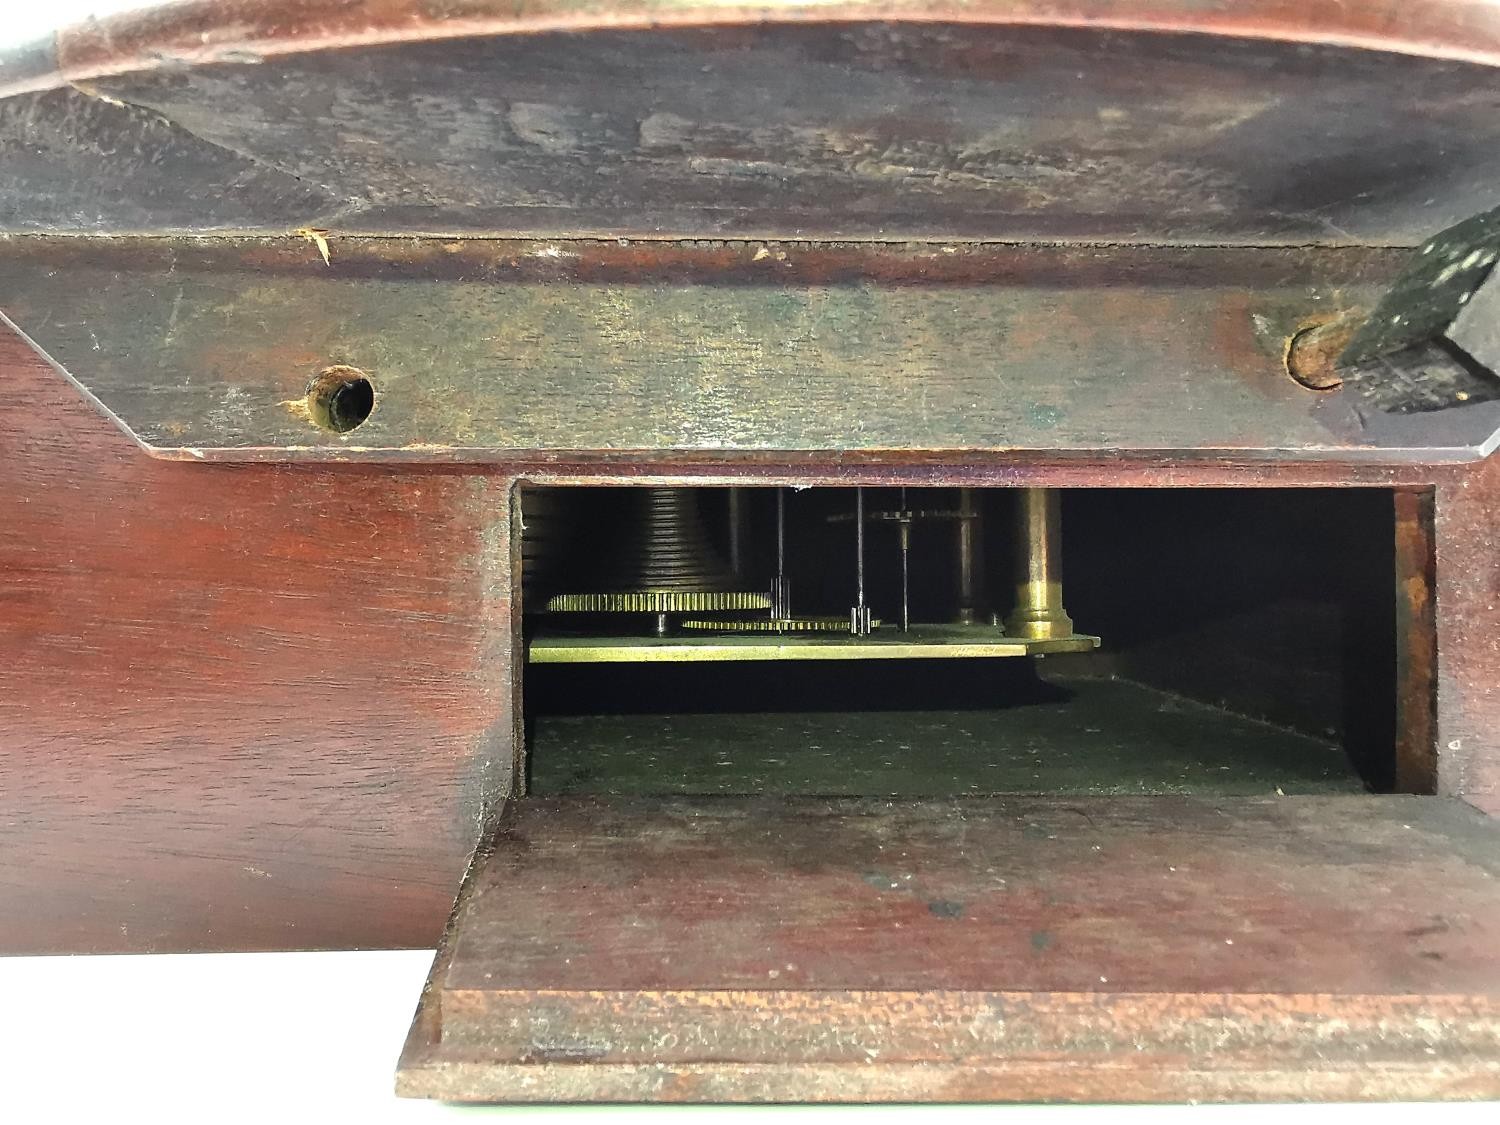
column 660, row 601
column 769, row 625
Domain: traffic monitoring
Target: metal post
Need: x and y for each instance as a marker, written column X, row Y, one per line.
column 859, row 616
column 970, row 529
column 781, row 593
column 739, row 512
column 1038, row 613
column 903, row 529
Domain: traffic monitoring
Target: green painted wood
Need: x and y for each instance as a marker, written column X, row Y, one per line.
column 1109, row 737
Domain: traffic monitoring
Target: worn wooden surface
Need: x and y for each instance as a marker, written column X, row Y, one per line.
column 239, row 709
column 942, row 125
column 484, row 349
column 1415, row 622
column 1468, row 635
column 174, row 35
column 251, row 706
column 1068, row 738
column 1099, row 949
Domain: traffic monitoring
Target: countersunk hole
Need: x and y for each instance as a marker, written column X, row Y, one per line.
column 340, row 398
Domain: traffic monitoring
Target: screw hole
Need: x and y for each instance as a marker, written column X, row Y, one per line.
column 340, row 399
column 1312, row 354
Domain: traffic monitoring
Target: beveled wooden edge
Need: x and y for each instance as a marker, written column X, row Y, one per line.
column 39, row 293
column 425, row 1032
column 199, row 32
column 425, row 1075
column 1283, row 1055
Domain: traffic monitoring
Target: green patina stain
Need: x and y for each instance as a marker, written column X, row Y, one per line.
column 1044, row 417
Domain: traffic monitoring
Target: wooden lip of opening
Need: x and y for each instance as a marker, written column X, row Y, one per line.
column 202, row 32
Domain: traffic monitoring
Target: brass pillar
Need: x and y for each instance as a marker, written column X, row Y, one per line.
column 1038, row 613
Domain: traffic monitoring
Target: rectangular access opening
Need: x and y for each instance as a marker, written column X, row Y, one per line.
column 708, row 641
column 978, row 857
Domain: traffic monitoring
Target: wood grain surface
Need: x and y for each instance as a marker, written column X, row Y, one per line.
column 945, row 125
column 1133, row 948
column 259, row 706
column 188, row 32
column 1415, row 558
column 484, row 349
column 1468, row 635
column 238, row 709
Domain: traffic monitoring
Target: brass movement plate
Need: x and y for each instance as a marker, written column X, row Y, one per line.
column 922, row 642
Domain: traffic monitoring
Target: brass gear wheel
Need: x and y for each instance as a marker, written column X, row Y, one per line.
column 660, row 601
column 768, row 625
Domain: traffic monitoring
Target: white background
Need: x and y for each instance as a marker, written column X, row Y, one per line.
column 30, row 19
column 294, row 1037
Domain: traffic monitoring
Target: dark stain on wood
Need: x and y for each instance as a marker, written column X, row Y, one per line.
column 72, row 161
column 883, row 130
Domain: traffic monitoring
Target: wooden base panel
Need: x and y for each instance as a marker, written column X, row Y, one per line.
column 1147, row 1079
column 995, row 949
